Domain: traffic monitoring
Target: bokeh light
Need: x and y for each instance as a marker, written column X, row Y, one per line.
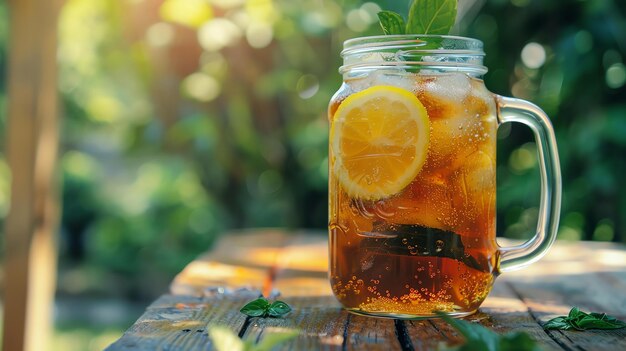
column 218, row 33
column 361, row 18
column 192, row 13
column 259, row 35
column 201, row 86
column 307, row 86
column 523, row 158
column 160, row 34
column 571, row 227
column 604, row 231
column 583, row 41
column 533, row 55
column 182, row 119
column 616, row 75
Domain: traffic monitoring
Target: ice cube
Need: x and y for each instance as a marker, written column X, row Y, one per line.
column 479, row 172
column 393, row 77
column 449, row 87
column 452, row 139
column 474, row 190
column 424, row 202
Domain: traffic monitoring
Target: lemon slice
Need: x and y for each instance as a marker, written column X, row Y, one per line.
column 379, row 141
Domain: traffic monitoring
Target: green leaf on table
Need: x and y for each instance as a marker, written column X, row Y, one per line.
column 391, row 22
column 262, row 308
column 478, row 337
column 256, row 308
column 278, row 309
column 558, row 323
column 600, row 321
column 431, row 16
column 579, row 320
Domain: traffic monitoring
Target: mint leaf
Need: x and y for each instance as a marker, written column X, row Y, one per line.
column 478, row 337
column 262, row 308
column 431, row 16
column 579, row 320
column 278, row 309
column 601, row 321
column 391, row 22
column 256, row 308
column 558, row 323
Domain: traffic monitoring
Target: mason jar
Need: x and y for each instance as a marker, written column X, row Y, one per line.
column 412, row 178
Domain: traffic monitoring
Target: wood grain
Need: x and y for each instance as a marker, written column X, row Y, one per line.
column 552, row 298
column 371, row 334
column 243, row 259
column 292, row 266
column 178, row 322
column 319, row 320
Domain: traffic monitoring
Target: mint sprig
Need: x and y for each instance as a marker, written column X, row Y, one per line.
column 391, row 22
column 478, row 337
column 425, row 17
column 431, row 16
column 262, row 308
column 579, row 320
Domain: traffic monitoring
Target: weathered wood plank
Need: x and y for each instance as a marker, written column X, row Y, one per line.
column 32, row 143
column 319, row 320
column 300, row 279
column 302, row 268
column 502, row 312
column 366, row 333
column 240, row 259
column 428, row 336
column 293, row 266
column 505, row 313
column 176, row 322
column 552, row 297
column 583, row 274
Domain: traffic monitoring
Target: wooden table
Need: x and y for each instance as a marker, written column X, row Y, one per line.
column 212, row 289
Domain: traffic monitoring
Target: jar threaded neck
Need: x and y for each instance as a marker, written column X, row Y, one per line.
column 434, row 53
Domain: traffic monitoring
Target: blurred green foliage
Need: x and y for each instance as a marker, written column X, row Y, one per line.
column 185, row 118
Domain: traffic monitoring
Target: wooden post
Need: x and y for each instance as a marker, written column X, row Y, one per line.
column 32, row 142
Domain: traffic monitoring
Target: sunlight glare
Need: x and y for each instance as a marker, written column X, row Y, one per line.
column 611, row 258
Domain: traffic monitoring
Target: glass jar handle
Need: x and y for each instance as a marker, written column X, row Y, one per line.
column 515, row 110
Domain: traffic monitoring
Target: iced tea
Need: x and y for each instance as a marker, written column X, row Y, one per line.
column 430, row 246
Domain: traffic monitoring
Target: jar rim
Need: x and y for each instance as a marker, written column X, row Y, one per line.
column 441, row 52
column 408, row 39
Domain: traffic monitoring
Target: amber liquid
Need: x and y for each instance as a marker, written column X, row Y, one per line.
column 431, row 247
